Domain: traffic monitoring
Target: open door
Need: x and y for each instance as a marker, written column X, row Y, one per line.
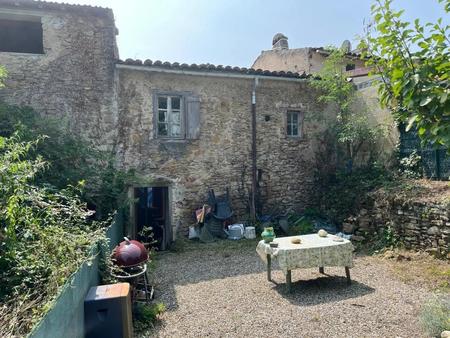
column 152, row 210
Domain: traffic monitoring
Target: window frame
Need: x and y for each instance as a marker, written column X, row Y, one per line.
column 36, row 20
column 183, row 115
column 300, row 118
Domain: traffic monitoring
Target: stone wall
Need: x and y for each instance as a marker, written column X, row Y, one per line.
column 221, row 156
column 78, row 81
column 419, row 223
column 295, row 60
column 74, row 79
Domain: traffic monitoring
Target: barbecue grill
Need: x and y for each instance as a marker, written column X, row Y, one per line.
column 131, row 257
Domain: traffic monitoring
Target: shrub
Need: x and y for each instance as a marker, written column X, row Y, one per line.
column 299, row 225
column 70, row 158
column 435, row 315
column 346, row 192
column 146, row 315
column 44, row 236
column 411, row 166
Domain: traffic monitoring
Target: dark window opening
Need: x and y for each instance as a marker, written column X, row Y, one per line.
column 21, row 36
column 350, row 66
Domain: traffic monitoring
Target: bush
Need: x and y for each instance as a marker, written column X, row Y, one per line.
column 70, row 159
column 346, row 192
column 411, row 166
column 299, row 225
column 435, row 315
column 146, row 315
column 45, row 235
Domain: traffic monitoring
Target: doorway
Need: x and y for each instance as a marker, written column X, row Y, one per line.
column 152, row 210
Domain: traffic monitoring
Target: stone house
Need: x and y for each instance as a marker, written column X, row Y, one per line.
column 306, row 59
column 311, row 59
column 183, row 128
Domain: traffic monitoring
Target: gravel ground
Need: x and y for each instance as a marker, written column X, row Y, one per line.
column 220, row 290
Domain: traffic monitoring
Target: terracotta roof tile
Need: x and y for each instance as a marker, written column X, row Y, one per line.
column 212, row 68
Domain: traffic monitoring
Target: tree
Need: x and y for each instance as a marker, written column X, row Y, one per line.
column 352, row 128
column 413, row 60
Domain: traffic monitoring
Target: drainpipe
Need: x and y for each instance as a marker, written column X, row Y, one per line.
column 253, row 196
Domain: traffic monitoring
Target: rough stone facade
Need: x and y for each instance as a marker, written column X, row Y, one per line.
column 221, row 156
column 309, row 60
column 74, row 79
column 418, row 223
column 80, row 80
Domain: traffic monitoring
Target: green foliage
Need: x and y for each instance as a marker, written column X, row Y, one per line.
column 2, row 76
column 385, row 239
column 435, row 315
column 299, row 225
column 352, row 128
column 411, row 166
column 146, row 315
column 346, row 192
column 413, row 61
column 44, row 236
column 71, row 159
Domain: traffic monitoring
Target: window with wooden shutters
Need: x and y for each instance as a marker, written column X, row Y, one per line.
column 294, row 125
column 177, row 116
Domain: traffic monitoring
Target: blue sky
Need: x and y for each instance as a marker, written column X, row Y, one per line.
column 233, row 32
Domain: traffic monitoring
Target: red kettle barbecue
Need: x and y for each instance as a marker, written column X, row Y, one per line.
column 130, row 253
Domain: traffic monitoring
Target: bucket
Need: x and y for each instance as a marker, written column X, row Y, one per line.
column 250, row 233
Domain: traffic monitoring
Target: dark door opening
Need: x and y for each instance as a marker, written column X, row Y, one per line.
column 152, row 210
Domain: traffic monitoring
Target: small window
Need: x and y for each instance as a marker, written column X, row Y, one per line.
column 170, row 116
column 294, row 124
column 350, row 66
column 21, row 36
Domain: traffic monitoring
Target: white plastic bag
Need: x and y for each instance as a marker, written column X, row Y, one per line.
column 193, row 232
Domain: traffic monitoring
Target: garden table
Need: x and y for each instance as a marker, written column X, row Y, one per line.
column 313, row 251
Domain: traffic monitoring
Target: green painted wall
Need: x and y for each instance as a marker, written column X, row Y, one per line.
column 66, row 318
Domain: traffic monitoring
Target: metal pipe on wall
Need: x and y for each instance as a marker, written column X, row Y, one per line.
column 253, row 152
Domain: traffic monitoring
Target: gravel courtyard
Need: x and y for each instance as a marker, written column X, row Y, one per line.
column 220, row 290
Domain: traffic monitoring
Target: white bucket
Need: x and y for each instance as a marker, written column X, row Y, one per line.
column 250, row 233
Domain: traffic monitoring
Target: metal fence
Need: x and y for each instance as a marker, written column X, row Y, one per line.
column 435, row 162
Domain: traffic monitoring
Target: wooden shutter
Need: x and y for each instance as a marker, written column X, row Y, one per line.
column 193, row 117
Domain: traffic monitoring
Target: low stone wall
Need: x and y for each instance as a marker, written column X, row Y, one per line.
column 419, row 223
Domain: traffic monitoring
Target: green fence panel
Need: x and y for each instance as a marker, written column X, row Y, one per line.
column 66, row 318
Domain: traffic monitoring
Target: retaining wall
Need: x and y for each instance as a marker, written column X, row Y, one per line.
column 419, row 224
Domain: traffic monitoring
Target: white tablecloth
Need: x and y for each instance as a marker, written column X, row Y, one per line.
column 313, row 251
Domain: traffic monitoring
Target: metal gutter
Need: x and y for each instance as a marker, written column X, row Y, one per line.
column 208, row 73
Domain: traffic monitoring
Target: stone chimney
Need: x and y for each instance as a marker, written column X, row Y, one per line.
column 280, row 41
column 346, row 46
